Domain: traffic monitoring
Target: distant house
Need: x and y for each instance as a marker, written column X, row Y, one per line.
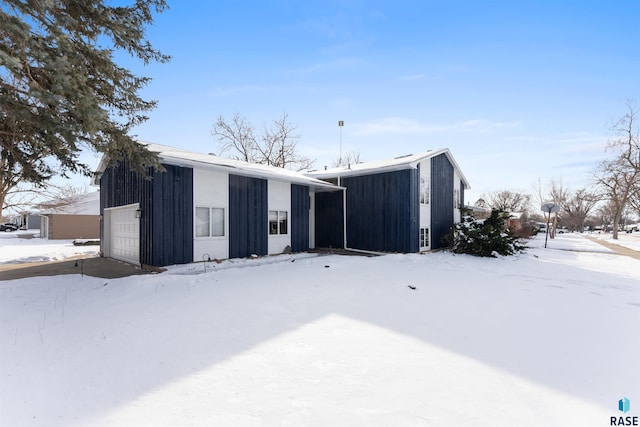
column 27, row 220
column 205, row 207
column 78, row 218
column 407, row 204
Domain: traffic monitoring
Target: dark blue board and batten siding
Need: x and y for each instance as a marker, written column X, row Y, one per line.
column 383, row 211
column 172, row 216
column 441, row 200
column 166, row 203
column 299, row 218
column 329, row 223
column 248, row 223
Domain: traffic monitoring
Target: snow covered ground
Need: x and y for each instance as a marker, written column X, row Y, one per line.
column 545, row 338
column 14, row 248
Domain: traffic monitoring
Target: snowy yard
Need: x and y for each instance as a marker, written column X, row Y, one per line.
column 17, row 249
column 545, row 338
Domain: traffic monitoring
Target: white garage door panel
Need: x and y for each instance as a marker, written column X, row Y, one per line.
column 125, row 234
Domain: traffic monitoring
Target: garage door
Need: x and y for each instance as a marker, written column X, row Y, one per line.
column 123, row 231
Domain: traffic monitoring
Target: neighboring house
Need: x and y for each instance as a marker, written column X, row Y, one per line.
column 407, row 204
column 78, row 218
column 515, row 221
column 205, row 207
column 27, row 221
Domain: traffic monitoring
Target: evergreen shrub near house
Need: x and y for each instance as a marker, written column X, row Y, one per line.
column 485, row 238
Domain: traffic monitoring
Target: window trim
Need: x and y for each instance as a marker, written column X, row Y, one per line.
column 425, row 191
column 210, row 223
column 424, row 237
column 281, row 215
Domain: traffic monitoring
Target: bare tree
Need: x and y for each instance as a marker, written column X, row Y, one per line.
column 619, row 177
column 481, row 203
column 577, row 208
column 24, row 197
column 634, row 201
column 348, row 159
column 508, row 201
column 61, row 196
column 604, row 215
column 277, row 145
column 236, row 138
column 575, row 205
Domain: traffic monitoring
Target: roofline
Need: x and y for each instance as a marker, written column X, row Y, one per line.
column 314, row 183
column 409, row 164
column 253, row 170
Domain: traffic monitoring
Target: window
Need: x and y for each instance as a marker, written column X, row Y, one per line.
column 209, row 222
column 424, row 190
column 456, row 198
column 424, row 237
column 278, row 222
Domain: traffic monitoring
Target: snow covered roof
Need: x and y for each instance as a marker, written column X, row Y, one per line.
column 84, row 204
column 403, row 162
column 179, row 157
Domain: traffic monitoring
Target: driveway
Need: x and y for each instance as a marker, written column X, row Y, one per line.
column 106, row 268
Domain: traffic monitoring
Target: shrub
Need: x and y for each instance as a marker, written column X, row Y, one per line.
column 485, row 238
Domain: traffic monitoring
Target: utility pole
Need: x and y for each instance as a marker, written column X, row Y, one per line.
column 340, row 125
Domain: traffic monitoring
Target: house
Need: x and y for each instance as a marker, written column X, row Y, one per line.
column 204, row 207
column 77, row 218
column 407, row 204
column 27, row 220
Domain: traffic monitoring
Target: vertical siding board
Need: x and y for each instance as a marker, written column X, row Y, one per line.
column 461, row 193
column 248, row 225
column 170, row 222
column 382, row 211
column 413, row 239
column 441, row 199
column 329, row 225
column 299, row 222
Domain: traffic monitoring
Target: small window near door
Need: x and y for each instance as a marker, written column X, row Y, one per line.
column 209, row 222
column 278, row 222
column 424, row 237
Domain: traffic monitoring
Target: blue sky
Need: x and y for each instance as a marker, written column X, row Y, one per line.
column 517, row 90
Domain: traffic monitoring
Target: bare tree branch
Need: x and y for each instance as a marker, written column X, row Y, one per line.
column 619, row 177
column 277, row 145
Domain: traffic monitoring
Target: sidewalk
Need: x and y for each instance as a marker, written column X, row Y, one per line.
column 621, row 250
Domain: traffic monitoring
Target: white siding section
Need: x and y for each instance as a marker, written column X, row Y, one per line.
column 211, row 189
column 425, row 209
column 279, row 194
column 456, row 195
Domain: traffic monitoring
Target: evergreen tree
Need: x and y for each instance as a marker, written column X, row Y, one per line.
column 485, row 238
column 61, row 91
